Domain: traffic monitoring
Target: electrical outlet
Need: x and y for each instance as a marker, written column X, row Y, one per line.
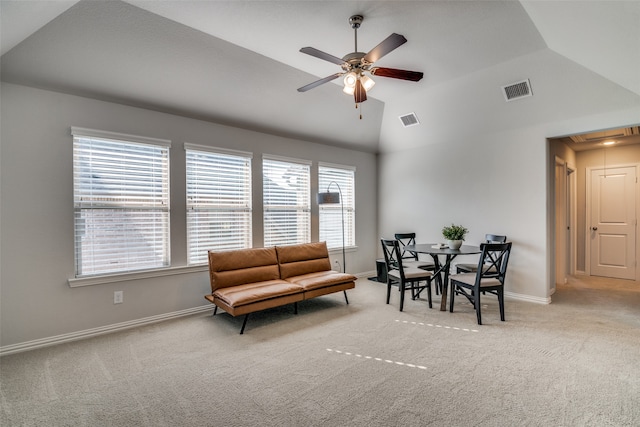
column 336, row 265
column 118, row 297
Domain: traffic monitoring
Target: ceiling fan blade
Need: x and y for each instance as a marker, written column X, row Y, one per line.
column 386, row 46
column 319, row 82
column 359, row 94
column 394, row 73
column 322, row 55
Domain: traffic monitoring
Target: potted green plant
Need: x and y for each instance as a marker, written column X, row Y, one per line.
column 454, row 234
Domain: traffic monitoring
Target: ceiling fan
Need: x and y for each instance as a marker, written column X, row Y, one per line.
column 355, row 64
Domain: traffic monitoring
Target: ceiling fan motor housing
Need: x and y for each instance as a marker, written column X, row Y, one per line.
column 355, row 21
column 354, row 60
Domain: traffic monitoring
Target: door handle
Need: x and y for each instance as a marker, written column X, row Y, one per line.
column 594, row 228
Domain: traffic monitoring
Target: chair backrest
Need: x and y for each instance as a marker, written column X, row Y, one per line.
column 405, row 239
column 493, row 261
column 392, row 256
column 495, row 238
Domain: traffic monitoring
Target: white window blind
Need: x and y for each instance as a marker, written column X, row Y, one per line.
column 121, row 202
column 286, row 198
column 331, row 214
column 218, row 202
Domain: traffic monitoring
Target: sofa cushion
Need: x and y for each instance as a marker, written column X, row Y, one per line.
column 233, row 268
column 250, row 293
column 321, row 279
column 297, row 260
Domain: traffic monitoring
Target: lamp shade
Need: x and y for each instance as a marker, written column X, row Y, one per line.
column 367, row 83
column 328, row 198
column 350, row 79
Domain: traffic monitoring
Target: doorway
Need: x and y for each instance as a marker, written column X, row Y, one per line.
column 571, row 161
column 565, row 221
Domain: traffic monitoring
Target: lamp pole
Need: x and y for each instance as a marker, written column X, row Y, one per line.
column 344, row 263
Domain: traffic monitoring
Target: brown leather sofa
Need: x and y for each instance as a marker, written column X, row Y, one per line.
column 248, row 280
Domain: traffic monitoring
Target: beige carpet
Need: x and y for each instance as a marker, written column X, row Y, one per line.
column 575, row 362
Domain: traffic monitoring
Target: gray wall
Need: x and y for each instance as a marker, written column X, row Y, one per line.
column 37, row 211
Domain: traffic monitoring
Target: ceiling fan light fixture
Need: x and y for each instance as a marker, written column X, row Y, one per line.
column 350, row 80
column 350, row 83
column 367, row 82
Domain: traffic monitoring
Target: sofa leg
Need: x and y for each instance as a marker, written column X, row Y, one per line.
column 295, row 308
column 244, row 323
column 215, row 310
column 345, row 297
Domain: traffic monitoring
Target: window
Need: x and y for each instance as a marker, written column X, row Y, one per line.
column 218, row 201
column 286, row 199
column 121, row 202
column 331, row 214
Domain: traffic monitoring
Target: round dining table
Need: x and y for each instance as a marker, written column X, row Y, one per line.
column 441, row 270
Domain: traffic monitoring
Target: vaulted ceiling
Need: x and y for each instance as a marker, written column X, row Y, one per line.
column 238, row 62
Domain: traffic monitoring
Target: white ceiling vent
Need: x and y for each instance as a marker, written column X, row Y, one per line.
column 517, row 90
column 409, row 120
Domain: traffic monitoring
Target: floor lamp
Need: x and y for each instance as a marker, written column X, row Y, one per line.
column 335, row 198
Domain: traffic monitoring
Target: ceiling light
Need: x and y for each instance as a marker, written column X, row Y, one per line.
column 350, row 79
column 350, row 83
column 367, row 82
column 608, row 143
column 349, row 89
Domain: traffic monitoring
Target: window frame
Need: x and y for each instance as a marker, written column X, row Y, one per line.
column 150, row 194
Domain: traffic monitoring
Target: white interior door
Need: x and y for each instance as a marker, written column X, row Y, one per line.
column 613, row 223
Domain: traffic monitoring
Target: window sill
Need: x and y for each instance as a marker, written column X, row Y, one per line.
column 125, row 277
column 346, row 249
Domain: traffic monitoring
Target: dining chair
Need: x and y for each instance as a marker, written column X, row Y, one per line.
column 398, row 274
column 471, row 267
column 495, row 256
column 410, row 259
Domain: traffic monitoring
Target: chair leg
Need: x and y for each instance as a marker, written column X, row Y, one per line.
column 401, row 295
column 452, row 296
column 388, row 290
column 501, row 303
column 476, row 302
column 429, row 293
column 295, row 308
column 345, row 297
column 215, row 310
column 244, row 323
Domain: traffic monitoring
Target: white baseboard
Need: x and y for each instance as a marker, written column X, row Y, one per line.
column 527, row 298
column 88, row 333
column 366, row 274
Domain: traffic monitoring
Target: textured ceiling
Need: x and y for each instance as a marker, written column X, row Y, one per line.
column 238, row 62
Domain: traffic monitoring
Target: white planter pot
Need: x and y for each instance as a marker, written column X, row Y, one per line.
column 454, row 244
